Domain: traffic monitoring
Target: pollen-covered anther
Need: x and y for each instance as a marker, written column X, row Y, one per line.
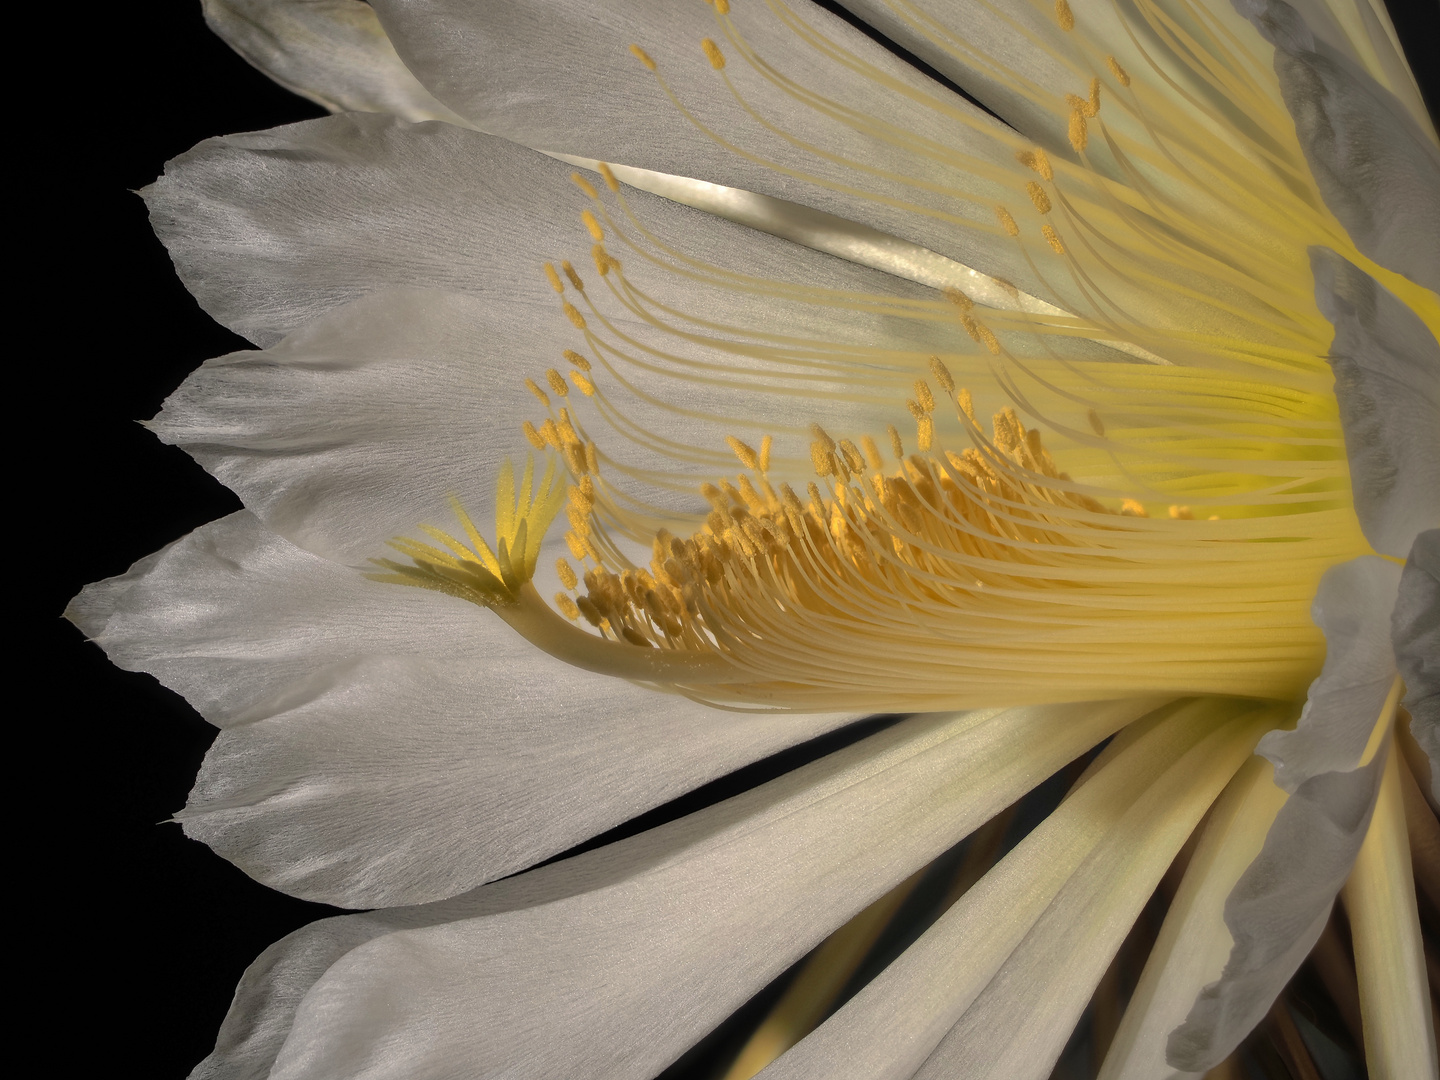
column 1038, row 197
column 557, row 382
column 540, row 395
column 584, row 185
column 1121, row 75
column 896, row 446
column 942, row 375
column 1063, row 15
column 575, row 358
column 532, row 436
column 554, row 278
column 766, row 442
column 746, row 453
column 1182, row 513
column 822, row 459
column 572, row 276
column 1007, row 221
column 713, row 54
column 1132, row 508
column 567, row 606
column 596, row 233
column 1036, row 160
column 1077, row 131
column 576, row 319
column 583, row 384
column 1053, row 239
column 566, row 573
column 644, row 57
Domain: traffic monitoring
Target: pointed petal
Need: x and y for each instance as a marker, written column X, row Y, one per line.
column 391, row 745
column 893, row 1026
column 1352, row 606
column 333, row 52
column 1415, row 631
column 1277, row 910
column 1389, row 949
column 1194, row 942
column 652, row 941
column 1387, row 380
column 559, row 79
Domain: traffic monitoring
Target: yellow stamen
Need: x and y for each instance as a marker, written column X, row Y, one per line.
column 1038, row 197
column 557, row 382
column 584, row 185
column 553, row 278
column 1053, row 239
column 592, row 225
column 644, row 57
column 1063, row 15
column 744, row 452
column 576, row 359
column 1121, row 75
column 713, row 53
column 540, row 395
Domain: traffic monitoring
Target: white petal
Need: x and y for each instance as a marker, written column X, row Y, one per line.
column 1387, row 381
column 892, row 1027
column 231, row 615
column 271, row 229
column 1352, row 606
column 1376, row 167
column 1018, row 1027
column 1277, row 910
column 612, row 963
column 391, row 745
column 1415, row 631
column 558, row 78
column 1194, row 942
column 1399, row 1025
column 333, row 52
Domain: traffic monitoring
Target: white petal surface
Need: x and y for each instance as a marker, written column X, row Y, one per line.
column 612, row 963
column 1415, row 632
column 1194, row 942
column 892, row 1026
column 559, row 77
column 1019, row 1025
column 333, row 52
column 1353, row 607
column 391, row 745
column 1399, row 1024
column 1387, row 380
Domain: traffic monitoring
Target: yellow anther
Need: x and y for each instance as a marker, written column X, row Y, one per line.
column 896, row 446
column 923, row 394
column 722, row 7
column 1038, row 197
column 713, row 53
column 988, row 337
column 532, row 435
column 576, row 359
column 576, row 319
column 1009, row 287
column 567, row 573
column 567, row 606
column 872, row 453
column 584, row 385
column 1096, row 424
column 1079, row 133
column 1007, row 222
column 1053, row 239
column 819, row 435
column 575, row 457
column 1121, row 75
column 966, row 404
column 602, row 259
column 925, row 432
column 543, row 398
column 1131, row 508
column 744, row 452
column 821, row 458
column 765, row 443
column 557, row 383
column 942, row 375
column 592, row 458
column 573, row 276
column 594, row 226
column 851, row 455
column 1182, row 513
column 959, row 299
column 1036, row 160
column 915, row 408
column 608, row 176
column 1063, row 15
column 550, row 434
column 644, row 57
column 554, row 278
column 1092, row 107
column 578, row 547
column 584, row 185
column 567, row 428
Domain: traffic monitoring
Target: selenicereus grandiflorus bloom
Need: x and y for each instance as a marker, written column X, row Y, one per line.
column 802, row 388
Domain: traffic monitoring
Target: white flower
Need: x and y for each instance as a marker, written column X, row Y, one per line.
column 1206, row 267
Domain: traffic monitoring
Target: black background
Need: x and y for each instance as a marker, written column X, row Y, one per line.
column 132, row 937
